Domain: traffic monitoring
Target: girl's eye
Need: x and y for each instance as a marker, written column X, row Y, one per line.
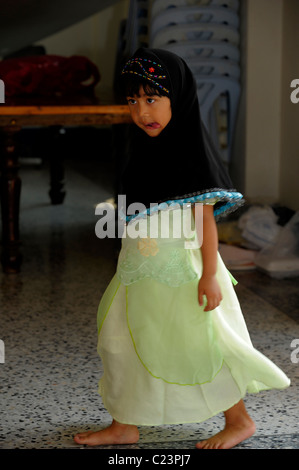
column 150, row 100
column 131, row 101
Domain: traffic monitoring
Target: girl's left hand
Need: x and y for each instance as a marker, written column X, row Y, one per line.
column 208, row 286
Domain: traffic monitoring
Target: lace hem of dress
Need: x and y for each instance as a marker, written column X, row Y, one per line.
column 230, row 201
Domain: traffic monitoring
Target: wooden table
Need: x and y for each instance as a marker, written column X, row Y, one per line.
column 12, row 119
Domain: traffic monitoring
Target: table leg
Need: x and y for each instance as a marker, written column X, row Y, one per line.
column 55, row 152
column 10, row 192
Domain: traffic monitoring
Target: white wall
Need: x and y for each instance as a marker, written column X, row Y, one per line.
column 263, row 99
column 289, row 151
column 266, row 155
column 95, row 38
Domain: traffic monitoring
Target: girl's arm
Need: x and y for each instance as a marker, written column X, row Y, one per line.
column 208, row 284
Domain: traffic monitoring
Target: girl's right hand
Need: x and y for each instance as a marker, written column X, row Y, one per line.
column 208, row 286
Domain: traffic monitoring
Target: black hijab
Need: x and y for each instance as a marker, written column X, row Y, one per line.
column 181, row 164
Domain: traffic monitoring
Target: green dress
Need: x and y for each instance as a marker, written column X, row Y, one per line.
column 166, row 361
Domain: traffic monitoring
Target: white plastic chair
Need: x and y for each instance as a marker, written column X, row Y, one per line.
column 217, row 107
column 195, row 32
column 209, row 49
column 209, row 89
column 159, row 5
column 206, row 66
column 182, row 15
column 136, row 25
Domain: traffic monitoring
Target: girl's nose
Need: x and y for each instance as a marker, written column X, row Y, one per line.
column 143, row 110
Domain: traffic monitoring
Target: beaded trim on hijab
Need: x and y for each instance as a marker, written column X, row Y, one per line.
column 146, row 71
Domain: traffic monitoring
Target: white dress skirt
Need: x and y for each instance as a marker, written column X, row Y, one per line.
column 165, row 360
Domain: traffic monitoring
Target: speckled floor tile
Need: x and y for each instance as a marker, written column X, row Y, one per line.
column 48, row 324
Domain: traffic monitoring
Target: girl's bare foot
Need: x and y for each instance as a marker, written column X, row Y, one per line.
column 116, row 433
column 239, row 427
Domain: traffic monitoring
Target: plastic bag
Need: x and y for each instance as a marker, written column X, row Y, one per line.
column 259, row 226
column 281, row 260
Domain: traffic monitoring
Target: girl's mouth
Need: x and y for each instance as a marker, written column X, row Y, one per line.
column 152, row 125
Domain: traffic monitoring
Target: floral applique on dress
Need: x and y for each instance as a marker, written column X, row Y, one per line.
column 148, row 247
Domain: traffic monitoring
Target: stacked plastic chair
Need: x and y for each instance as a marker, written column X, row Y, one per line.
column 133, row 34
column 137, row 24
column 206, row 34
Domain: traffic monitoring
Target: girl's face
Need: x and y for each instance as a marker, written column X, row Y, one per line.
column 150, row 113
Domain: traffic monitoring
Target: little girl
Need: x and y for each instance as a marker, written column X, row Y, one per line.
column 172, row 338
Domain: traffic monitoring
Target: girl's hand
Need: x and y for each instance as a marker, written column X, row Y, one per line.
column 208, row 286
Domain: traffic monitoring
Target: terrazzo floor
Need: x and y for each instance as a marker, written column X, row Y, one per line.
column 50, row 374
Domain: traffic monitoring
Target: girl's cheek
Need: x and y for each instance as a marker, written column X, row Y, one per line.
column 133, row 114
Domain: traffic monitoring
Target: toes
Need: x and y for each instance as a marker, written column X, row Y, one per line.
column 201, row 445
column 209, row 445
column 81, row 438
